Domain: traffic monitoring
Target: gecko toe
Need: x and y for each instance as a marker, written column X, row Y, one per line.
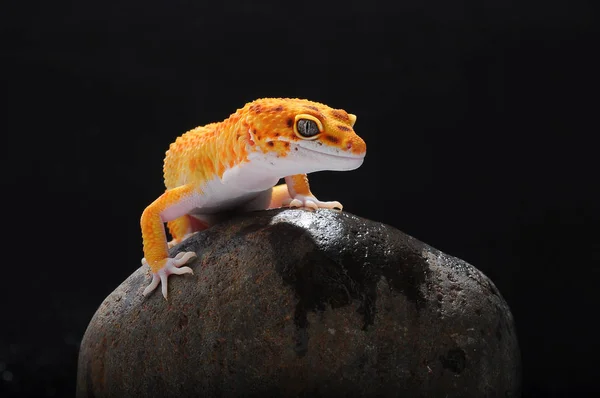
column 150, row 288
column 183, row 258
column 163, row 281
column 311, row 204
column 336, row 205
column 182, row 270
column 296, row 203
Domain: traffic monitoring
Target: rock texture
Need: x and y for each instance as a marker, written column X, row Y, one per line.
column 291, row 302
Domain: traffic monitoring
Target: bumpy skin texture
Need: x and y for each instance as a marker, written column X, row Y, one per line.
column 237, row 163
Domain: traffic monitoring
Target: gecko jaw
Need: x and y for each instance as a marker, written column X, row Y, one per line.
column 340, row 156
column 316, row 147
column 337, row 159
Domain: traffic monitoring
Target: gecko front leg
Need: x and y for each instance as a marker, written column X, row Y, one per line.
column 170, row 205
column 301, row 196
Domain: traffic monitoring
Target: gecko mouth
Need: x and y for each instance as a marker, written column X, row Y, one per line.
column 329, row 153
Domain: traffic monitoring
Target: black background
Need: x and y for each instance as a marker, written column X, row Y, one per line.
column 479, row 117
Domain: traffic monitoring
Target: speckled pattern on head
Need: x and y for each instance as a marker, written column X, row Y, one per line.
column 265, row 125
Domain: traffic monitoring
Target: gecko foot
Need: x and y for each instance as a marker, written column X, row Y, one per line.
column 311, row 202
column 172, row 266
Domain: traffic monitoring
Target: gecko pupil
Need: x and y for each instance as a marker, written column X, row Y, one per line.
column 307, row 128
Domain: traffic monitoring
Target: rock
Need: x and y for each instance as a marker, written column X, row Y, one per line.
column 291, row 302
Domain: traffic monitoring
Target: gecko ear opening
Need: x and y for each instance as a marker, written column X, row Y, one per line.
column 352, row 119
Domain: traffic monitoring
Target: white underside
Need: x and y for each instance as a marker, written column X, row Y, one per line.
column 254, row 179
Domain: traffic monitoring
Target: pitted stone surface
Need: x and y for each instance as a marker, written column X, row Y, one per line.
column 291, row 302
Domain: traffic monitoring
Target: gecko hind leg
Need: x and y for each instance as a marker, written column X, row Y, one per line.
column 183, row 227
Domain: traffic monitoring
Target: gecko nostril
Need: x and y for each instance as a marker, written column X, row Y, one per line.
column 356, row 145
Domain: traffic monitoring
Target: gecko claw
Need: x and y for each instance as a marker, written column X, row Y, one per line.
column 173, row 266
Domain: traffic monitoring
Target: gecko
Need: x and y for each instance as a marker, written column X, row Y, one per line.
column 237, row 164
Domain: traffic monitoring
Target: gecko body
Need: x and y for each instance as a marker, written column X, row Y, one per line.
column 237, row 163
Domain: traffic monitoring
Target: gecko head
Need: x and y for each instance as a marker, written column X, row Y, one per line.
column 307, row 135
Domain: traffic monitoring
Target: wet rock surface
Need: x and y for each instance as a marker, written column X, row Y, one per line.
column 291, row 302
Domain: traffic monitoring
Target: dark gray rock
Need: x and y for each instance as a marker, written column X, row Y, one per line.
column 291, row 302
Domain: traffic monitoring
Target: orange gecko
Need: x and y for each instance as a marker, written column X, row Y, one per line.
column 237, row 163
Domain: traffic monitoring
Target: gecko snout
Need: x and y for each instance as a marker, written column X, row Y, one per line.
column 355, row 145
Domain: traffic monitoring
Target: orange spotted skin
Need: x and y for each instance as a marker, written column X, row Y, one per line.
column 266, row 128
column 206, row 151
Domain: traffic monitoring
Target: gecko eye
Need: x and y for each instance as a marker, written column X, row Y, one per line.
column 307, row 128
